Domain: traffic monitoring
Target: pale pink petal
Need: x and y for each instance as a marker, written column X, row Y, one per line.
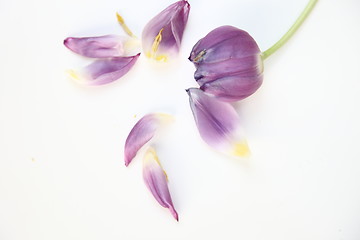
column 155, row 179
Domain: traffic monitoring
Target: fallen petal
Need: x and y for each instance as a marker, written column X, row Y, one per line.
column 98, row 47
column 162, row 36
column 143, row 131
column 218, row 123
column 155, row 179
column 105, row 71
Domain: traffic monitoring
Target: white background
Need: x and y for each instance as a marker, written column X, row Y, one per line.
column 62, row 174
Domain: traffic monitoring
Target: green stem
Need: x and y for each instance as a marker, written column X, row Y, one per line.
column 291, row 31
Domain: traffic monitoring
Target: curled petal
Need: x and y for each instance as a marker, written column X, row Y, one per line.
column 247, row 66
column 218, row 123
column 222, row 44
column 233, row 88
column 155, row 179
column 143, row 131
column 98, row 47
column 105, row 71
column 163, row 34
column 228, row 63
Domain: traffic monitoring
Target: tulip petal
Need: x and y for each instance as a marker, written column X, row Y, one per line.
column 143, row 131
column 222, row 44
column 163, row 34
column 98, row 47
column 233, row 88
column 155, row 179
column 104, row 71
column 218, row 123
column 247, row 66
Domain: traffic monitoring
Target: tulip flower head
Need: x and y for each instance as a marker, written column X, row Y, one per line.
column 228, row 64
column 162, row 36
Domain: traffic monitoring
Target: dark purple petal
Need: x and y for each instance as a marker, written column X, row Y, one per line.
column 222, row 44
column 245, row 67
column 163, row 34
column 155, row 179
column 97, row 47
column 105, row 71
column 233, row 88
column 218, row 123
column 142, row 132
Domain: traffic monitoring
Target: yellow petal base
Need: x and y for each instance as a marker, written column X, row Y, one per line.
column 72, row 74
column 241, row 149
column 151, row 155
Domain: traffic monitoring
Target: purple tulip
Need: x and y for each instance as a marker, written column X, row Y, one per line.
column 105, row 70
column 228, row 64
column 218, row 123
column 162, row 36
column 155, row 179
column 143, row 131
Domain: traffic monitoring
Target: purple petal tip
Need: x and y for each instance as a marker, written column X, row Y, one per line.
column 127, row 162
column 174, row 213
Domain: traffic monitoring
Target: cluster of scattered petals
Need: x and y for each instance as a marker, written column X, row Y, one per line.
column 154, row 176
column 112, row 60
column 229, row 68
column 116, row 55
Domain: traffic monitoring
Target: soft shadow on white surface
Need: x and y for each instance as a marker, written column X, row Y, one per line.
column 62, row 174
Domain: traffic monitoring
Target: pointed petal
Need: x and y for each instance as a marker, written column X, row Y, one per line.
column 97, row 47
column 218, row 123
column 156, row 181
column 105, row 71
column 163, row 34
column 143, row 131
